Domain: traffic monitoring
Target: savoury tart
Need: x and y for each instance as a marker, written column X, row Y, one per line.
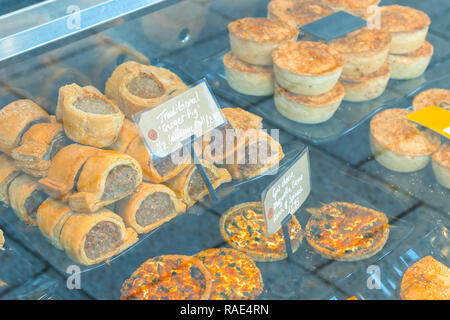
column 441, row 165
column 432, row 97
column 355, row 7
column 411, row 65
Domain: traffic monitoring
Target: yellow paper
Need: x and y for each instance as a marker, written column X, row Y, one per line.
column 434, row 118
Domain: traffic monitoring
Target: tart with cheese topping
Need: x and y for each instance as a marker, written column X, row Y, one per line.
column 242, row 226
column 253, row 39
column 399, row 144
column 355, row 7
column 411, row 65
column 441, row 165
column 347, row 232
column 247, row 78
column 306, row 67
column 432, row 97
column 234, row 275
column 308, row 108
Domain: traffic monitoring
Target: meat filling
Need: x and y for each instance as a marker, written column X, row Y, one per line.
column 94, row 105
column 104, row 237
column 120, row 182
column 145, row 87
column 58, row 143
column 154, row 208
column 33, row 202
column 197, row 186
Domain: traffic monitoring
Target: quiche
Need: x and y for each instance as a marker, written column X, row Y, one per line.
column 168, row 277
column 234, row 274
column 347, row 232
column 242, row 226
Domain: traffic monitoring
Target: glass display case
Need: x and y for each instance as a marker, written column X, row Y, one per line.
column 88, row 209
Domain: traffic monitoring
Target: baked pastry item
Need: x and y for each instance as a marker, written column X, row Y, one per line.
column 347, row 232
column 427, row 279
column 106, row 177
column 307, row 68
column 88, row 116
column 441, row 165
column 136, row 87
column 432, row 97
column 366, row 87
column 355, row 7
column 261, row 153
column 38, row 147
column 15, row 119
column 398, row 144
column 411, row 65
column 188, row 185
column 234, row 274
column 8, row 172
column 407, row 26
column 248, row 78
column 2, row 239
column 64, row 170
column 297, row 13
column 238, row 118
column 242, row 226
column 306, row 108
column 149, row 207
column 25, row 198
column 253, row 39
column 95, row 237
column 127, row 134
column 169, row 277
column 364, row 50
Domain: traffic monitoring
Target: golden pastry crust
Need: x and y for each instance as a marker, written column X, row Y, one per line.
column 320, row 100
column 127, row 134
column 15, row 119
column 397, row 18
column 347, row 232
column 2, row 239
column 95, row 237
column 234, row 274
column 136, row 87
column 262, row 30
column 189, row 280
column 432, row 97
column 297, row 13
column 242, row 226
column 391, row 130
column 129, row 208
column 441, row 165
column 51, row 216
column 189, row 186
column 231, row 61
column 424, row 51
column 64, row 170
column 411, row 65
column 442, row 155
column 238, row 118
column 94, row 187
column 363, row 40
column 357, row 7
column 8, row 172
column 88, row 116
column 307, row 58
column 427, row 279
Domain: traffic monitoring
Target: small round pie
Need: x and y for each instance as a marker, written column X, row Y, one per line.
column 441, row 165
column 432, row 97
column 169, row 277
column 407, row 26
column 347, row 232
column 307, row 108
column 253, row 39
column 411, row 65
column 234, row 275
column 306, row 67
column 364, row 50
column 248, row 78
column 366, row 87
column 355, row 7
column 297, row 13
column 242, row 226
column 399, row 144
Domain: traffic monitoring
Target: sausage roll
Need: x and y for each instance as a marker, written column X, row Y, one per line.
column 92, row 238
column 106, row 177
column 261, row 153
column 15, row 119
column 64, row 170
column 51, row 216
column 88, row 116
column 149, row 207
column 189, row 186
column 7, row 174
column 38, row 147
column 25, row 198
column 136, row 87
column 127, row 134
